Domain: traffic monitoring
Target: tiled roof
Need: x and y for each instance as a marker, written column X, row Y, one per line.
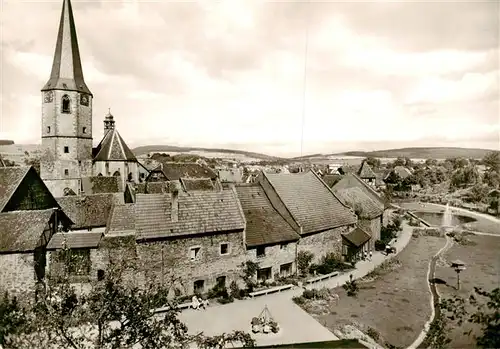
column 122, row 220
column 353, row 181
column 366, row 171
column 75, row 240
column 89, row 211
column 310, row 201
column 190, row 184
column 199, row 212
column 364, row 206
column 265, row 226
column 100, row 184
column 357, row 237
column 331, row 179
column 113, row 148
column 10, row 178
column 153, row 187
column 233, row 175
column 178, row 170
column 401, row 171
column 21, row 230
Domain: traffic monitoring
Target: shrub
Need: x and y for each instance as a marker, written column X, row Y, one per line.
column 274, row 327
column 249, row 269
column 379, row 245
column 373, row 333
column 351, row 287
column 304, row 259
column 234, row 290
column 299, row 300
column 225, row 300
column 323, row 293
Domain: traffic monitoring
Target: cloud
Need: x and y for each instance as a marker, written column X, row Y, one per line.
column 228, row 72
column 471, row 87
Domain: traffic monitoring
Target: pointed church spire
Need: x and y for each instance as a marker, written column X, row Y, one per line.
column 67, row 73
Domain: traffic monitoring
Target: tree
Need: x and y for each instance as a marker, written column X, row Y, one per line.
column 35, row 162
column 492, row 178
column 11, row 317
column 431, row 162
column 492, row 161
column 113, row 314
column 374, row 163
column 304, row 259
column 485, row 312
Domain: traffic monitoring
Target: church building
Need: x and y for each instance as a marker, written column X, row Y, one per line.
column 68, row 155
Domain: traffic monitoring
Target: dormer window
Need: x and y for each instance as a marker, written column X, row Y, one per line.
column 66, row 104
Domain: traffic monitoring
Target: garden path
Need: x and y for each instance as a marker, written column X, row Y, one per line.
column 296, row 326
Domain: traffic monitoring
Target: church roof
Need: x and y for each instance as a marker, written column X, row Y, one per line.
column 67, row 73
column 113, row 148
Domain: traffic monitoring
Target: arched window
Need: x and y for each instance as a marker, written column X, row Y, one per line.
column 99, row 175
column 117, row 174
column 65, row 104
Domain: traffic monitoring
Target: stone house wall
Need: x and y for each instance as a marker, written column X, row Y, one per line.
column 170, row 260
column 372, row 226
column 325, row 242
column 275, row 256
column 17, row 274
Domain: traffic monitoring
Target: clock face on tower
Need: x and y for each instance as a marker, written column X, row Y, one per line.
column 48, row 97
column 84, row 100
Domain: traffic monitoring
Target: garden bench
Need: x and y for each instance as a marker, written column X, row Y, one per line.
column 181, row 306
column 322, row 277
column 270, row 290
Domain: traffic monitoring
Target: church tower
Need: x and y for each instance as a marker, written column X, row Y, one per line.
column 66, row 114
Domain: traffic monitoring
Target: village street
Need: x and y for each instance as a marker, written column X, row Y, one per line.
column 296, row 325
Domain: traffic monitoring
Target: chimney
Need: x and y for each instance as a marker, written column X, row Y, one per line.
column 174, row 216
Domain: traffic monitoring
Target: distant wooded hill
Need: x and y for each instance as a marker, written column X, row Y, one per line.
column 424, row 153
column 6, row 142
column 170, row 148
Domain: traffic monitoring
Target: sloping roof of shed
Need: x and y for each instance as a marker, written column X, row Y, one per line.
column 75, row 240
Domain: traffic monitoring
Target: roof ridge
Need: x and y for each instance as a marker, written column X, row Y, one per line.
column 331, row 191
column 26, row 170
column 283, row 203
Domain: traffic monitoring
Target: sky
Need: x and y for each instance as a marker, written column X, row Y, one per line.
column 283, row 78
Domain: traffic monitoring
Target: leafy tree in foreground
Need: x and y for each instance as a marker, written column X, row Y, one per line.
column 112, row 315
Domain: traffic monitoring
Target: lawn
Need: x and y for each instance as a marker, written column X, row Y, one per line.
column 483, row 270
column 393, row 302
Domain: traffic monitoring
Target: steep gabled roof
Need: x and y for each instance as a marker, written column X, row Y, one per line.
column 10, row 179
column 199, row 212
column 364, row 206
column 113, row 148
column 366, row 172
column 265, row 226
column 67, row 73
column 331, row 179
column 312, row 204
column 351, row 180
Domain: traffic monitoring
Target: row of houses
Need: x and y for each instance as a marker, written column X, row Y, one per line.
column 193, row 232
